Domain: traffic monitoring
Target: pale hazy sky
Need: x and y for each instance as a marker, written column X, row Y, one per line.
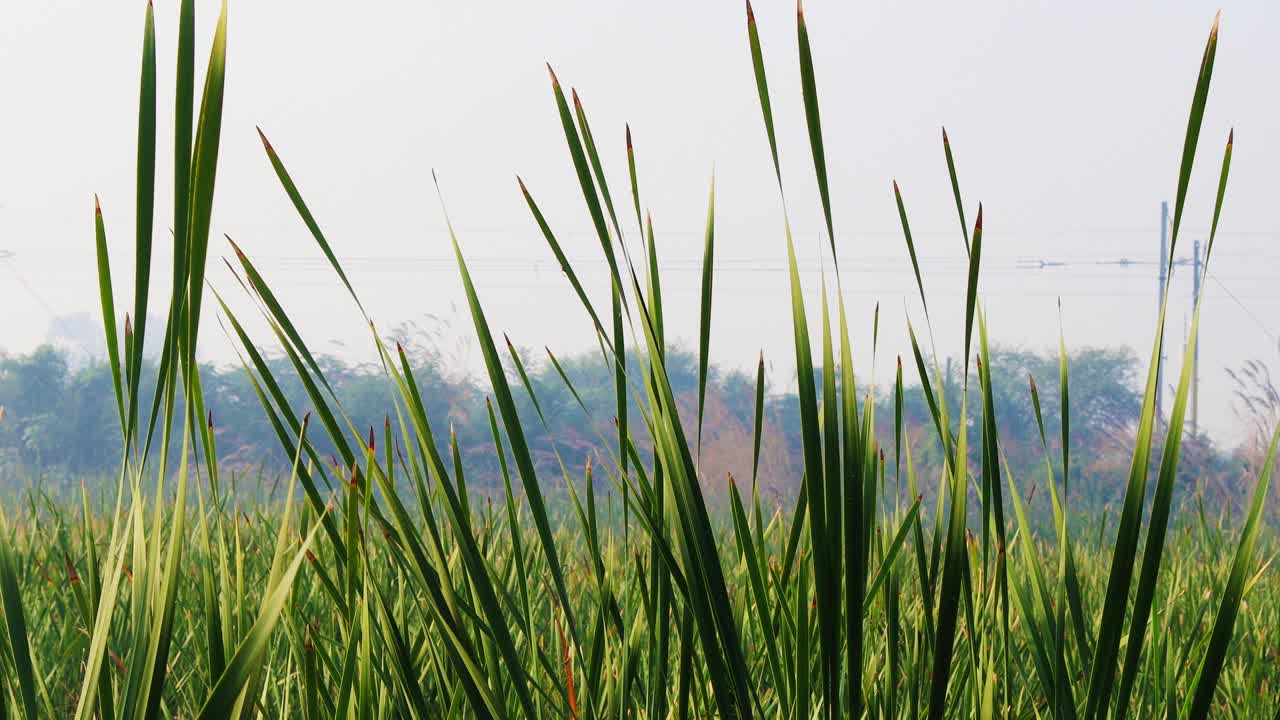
column 1066, row 120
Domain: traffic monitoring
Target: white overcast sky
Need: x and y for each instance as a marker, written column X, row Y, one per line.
column 1066, row 120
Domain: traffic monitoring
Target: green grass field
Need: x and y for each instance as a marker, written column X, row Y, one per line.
column 378, row 586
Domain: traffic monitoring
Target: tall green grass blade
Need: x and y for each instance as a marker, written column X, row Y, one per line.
column 1162, row 502
column 704, row 327
column 758, row 424
column 814, row 122
column 762, row 87
column 515, row 435
column 583, row 169
column 1102, row 674
column 1214, row 658
column 291, row 189
column 145, row 212
column 955, row 187
column 108, row 310
column 204, row 167
column 19, row 640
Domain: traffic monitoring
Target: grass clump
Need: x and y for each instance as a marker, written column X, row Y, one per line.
column 377, row 588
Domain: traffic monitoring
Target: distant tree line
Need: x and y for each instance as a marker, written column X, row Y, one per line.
column 59, row 421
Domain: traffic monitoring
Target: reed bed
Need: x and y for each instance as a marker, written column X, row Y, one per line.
column 381, row 586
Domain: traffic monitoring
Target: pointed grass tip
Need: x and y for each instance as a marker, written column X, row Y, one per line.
column 555, row 81
column 97, row 208
column 945, row 140
column 977, row 226
column 762, row 358
column 263, row 137
column 577, row 103
column 235, row 247
column 800, row 10
column 524, row 190
column 128, row 326
column 371, row 439
column 629, row 147
column 751, row 16
column 1231, row 137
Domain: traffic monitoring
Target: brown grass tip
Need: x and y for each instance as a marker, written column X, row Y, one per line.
column 555, row 81
column 1231, row 136
column 263, row 137
column 977, row 227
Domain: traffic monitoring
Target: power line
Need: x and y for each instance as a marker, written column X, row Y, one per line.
column 1252, row 316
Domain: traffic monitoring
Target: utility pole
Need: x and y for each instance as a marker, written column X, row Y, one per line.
column 1197, row 267
column 1160, row 288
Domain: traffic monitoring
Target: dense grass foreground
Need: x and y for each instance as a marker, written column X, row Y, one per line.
column 378, row 589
